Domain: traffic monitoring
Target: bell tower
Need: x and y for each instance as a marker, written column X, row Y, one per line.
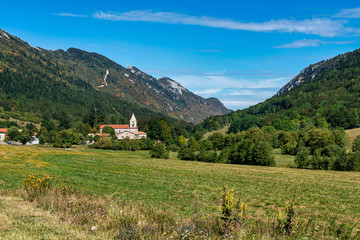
column 133, row 123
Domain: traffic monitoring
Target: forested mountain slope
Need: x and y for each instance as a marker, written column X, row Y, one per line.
column 325, row 94
column 38, row 86
column 76, row 81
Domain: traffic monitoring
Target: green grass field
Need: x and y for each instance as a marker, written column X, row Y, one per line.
column 182, row 186
column 223, row 131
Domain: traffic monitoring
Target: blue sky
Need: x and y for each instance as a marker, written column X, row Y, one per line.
column 241, row 52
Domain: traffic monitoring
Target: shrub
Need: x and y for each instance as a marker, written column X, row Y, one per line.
column 339, row 136
column 108, row 129
column 261, row 154
column 318, row 138
column 186, row 153
column 224, row 156
column 59, row 143
column 172, row 147
column 354, row 162
column 103, row 143
column 241, row 152
column 289, row 143
column 302, row 157
column 159, row 151
column 35, row 187
column 356, row 144
column 207, row 156
column 217, row 140
column 205, row 144
column 232, row 211
column 78, row 138
column 330, row 157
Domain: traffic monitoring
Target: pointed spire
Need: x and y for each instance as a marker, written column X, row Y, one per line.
column 133, row 121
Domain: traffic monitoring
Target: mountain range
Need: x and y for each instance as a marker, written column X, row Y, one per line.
column 324, row 94
column 36, row 80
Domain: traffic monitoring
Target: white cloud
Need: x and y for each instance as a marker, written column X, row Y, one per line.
column 324, row 27
column 224, row 82
column 301, row 43
column 236, row 103
column 69, row 15
column 348, row 13
column 311, row 43
column 235, row 93
column 208, row 91
column 242, row 93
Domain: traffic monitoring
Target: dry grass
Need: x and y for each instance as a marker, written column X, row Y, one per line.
column 223, row 131
column 21, row 123
column 351, row 134
column 23, row 220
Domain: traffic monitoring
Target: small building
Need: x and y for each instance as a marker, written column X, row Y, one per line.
column 123, row 131
column 3, row 132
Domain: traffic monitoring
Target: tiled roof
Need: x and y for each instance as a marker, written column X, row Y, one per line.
column 141, row 133
column 3, row 130
column 124, row 126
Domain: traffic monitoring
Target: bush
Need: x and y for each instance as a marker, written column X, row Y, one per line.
column 302, row 159
column 159, row 151
column 59, row 143
column 217, row 140
column 356, row 144
column 35, row 187
column 330, row 157
column 339, row 136
column 289, row 143
column 241, row 152
column 247, row 152
column 103, row 143
column 224, row 156
column 318, row 138
column 207, row 156
column 172, row 147
column 261, row 154
column 109, row 130
column 354, row 162
column 186, row 153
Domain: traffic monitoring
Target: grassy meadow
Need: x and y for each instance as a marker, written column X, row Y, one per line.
column 185, row 187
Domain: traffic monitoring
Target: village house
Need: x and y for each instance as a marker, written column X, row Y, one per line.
column 3, row 132
column 123, row 131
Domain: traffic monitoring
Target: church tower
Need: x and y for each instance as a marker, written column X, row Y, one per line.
column 133, row 123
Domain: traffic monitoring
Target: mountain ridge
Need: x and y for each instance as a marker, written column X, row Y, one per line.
column 324, row 94
column 163, row 95
column 310, row 72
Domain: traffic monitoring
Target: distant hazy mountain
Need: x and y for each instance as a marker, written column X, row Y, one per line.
column 73, row 77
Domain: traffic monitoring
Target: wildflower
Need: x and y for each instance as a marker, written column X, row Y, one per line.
column 93, row 228
column 164, row 233
column 279, row 216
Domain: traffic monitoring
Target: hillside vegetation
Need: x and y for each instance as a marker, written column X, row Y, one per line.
column 326, row 94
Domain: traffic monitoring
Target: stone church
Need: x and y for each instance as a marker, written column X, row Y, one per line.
column 123, row 131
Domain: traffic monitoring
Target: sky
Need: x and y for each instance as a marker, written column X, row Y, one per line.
column 241, row 52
